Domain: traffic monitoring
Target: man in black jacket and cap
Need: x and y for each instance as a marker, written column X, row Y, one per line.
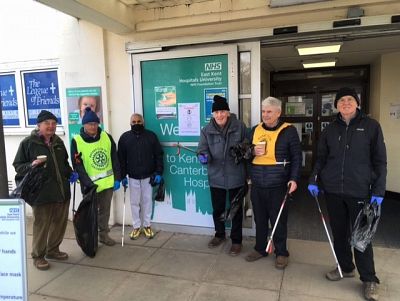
column 351, row 168
column 43, row 148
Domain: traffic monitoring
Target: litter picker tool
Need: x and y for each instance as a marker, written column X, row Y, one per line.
column 123, row 220
column 180, row 146
column 269, row 245
column 329, row 237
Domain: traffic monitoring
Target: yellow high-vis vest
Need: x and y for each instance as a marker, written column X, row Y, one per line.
column 269, row 137
column 96, row 157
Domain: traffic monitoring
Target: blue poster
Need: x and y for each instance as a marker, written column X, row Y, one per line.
column 209, row 99
column 8, row 96
column 41, row 93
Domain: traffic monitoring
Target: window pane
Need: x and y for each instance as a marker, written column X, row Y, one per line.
column 245, row 73
column 245, row 111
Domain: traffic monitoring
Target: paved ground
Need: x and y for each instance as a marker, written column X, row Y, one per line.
column 175, row 266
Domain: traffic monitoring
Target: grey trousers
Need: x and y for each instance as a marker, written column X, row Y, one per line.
column 49, row 224
column 104, row 204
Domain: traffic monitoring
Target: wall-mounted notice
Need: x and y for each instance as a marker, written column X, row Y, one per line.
column 13, row 277
column 41, row 93
column 9, row 102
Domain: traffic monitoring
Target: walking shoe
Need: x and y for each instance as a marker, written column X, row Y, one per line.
column 253, row 256
column 334, row 275
column 371, row 291
column 107, row 240
column 41, row 264
column 58, row 255
column 235, row 249
column 148, row 232
column 135, row 234
column 281, row 262
column 215, row 242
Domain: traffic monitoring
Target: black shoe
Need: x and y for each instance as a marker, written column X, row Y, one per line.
column 215, row 242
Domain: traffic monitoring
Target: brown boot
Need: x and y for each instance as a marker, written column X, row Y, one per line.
column 106, row 239
column 215, row 242
column 41, row 264
column 281, row 262
column 235, row 249
column 253, row 256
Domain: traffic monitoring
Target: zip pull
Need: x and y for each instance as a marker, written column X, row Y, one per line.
column 340, row 138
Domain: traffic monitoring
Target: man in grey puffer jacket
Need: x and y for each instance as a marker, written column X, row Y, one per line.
column 224, row 175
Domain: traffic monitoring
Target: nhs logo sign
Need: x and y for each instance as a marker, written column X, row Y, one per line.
column 213, row 66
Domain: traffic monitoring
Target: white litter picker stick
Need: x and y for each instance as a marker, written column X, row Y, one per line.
column 123, row 220
column 329, row 237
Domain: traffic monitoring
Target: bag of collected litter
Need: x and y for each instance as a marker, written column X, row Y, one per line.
column 236, row 203
column 242, row 151
column 365, row 226
column 30, row 185
column 160, row 192
column 85, row 222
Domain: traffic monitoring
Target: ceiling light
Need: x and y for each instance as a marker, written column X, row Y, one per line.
column 318, row 48
column 319, row 64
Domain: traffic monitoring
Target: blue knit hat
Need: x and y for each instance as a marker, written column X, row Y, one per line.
column 90, row 116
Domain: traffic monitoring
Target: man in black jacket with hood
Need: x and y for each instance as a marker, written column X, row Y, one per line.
column 351, row 169
column 141, row 158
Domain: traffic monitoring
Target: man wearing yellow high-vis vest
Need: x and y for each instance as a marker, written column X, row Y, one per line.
column 95, row 159
column 276, row 165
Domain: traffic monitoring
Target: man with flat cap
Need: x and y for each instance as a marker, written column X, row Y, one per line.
column 50, row 208
column 95, row 159
column 225, row 177
column 351, row 168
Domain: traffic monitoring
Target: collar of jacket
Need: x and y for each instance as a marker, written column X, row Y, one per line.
column 278, row 125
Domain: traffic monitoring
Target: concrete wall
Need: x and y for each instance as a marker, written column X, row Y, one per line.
column 390, row 94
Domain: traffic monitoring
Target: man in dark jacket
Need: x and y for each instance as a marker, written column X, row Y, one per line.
column 50, row 208
column 351, row 168
column 95, row 159
column 141, row 158
column 225, row 177
column 276, row 165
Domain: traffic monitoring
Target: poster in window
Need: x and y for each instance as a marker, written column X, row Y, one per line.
column 9, row 102
column 41, row 93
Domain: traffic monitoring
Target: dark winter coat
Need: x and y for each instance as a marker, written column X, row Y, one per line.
column 140, row 154
column 57, row 171
column 223, row 172
column 351, row 159
column 84, row 178
column 287, row 148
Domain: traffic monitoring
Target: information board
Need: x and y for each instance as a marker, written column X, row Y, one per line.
column 177, row 96
column 9, row 102
column 41, row 93
column 13, row 276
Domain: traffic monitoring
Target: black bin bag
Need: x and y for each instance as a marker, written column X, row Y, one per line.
column 30, row 185
column 160, row 192
column 365, row 226
column 85, row 223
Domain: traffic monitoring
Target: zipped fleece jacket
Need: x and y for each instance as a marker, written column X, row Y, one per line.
column 140, row 154
column 57, row 187
column 223, row 172
column 351, row 159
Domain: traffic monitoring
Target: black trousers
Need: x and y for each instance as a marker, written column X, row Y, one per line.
column 343, row 212
column 218, row 198
column 266, row 205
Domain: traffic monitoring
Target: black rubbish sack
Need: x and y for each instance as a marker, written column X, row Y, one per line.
column 242, row 151
column 85, row 223
column 365, row 226
column 30, row 185
column 236, row 203
column 160, row 192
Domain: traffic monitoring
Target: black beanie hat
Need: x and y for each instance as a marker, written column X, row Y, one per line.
column 90, row 116
column 45, row 115
column 346, row 91
column 220, row 104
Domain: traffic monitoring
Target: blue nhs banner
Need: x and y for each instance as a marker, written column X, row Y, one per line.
column 41, row 93
column 8, row 96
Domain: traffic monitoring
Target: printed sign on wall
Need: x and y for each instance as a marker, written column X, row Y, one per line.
column 9, row 102
column 41, row 93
